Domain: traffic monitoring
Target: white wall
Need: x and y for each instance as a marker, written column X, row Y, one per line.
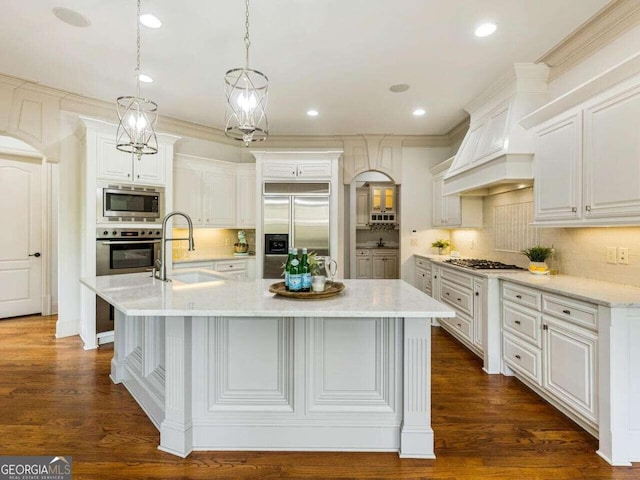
column 416, row 205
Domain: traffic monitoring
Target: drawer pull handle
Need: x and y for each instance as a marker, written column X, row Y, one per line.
column 568, row 312
column 459, row 299
column 518, row 357
column 446, row 293
column 477, row 294
column 459, row 325
column 517, row 322
column 519, row 296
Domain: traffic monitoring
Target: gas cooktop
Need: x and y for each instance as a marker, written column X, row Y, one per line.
column 479, row 264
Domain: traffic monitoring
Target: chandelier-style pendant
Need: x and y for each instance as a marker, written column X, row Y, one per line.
column 247, row 92
column 137, row 116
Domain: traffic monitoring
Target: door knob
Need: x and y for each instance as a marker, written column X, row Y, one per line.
column 37, row 254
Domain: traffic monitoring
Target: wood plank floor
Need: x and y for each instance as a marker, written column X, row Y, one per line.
column 57, row 399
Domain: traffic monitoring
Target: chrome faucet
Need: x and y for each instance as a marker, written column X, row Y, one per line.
column 162, row 268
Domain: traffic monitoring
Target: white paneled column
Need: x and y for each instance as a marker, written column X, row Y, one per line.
column 176, row 430
column 416, row 435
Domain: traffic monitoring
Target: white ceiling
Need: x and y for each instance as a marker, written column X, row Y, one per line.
column 337, row 56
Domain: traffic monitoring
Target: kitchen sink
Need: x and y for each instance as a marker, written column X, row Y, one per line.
column 196, row 277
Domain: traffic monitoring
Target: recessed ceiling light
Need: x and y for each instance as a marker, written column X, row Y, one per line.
column 71, row 17
column 399, row 88
column 418, row 112
column 151, row 21
column 145, row 78
column 312, row 113
column 486, row 29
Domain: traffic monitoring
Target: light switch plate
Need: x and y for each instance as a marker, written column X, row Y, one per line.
column 623, row 255
column 611, row 255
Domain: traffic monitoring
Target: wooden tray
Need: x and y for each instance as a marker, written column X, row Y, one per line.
column 330, row 289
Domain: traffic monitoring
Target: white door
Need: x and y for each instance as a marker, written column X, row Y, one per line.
column 21, row 220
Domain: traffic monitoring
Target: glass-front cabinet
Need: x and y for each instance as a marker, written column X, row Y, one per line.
column 383, row 198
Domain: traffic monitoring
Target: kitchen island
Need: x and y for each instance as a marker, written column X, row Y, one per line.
column 226, row 365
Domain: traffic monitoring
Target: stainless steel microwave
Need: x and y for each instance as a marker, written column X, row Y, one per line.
column 130, row 203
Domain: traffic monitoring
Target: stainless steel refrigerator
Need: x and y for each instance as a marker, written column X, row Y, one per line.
column 294, row 215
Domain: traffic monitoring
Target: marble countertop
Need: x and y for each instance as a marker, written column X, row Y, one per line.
column 139, row 294
column 595, row 291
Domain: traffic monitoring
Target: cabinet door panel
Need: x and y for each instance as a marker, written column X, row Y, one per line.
column 246, row 208
column 478, row 314
column 112, row 163
column 378, row 269
column 279, row 170
column 570, row 366
column 390, row 267
column 557, row 165
column 314, row 169
column 220, row 198
column 187, row 194
column 150, row 169
column 363, row 267
column 362, row 208
column 612, row 150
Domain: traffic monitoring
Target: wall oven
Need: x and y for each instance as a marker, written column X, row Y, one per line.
column 122, row 250
column 130, row 203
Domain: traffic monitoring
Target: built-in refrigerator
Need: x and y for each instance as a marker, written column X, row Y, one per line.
column 294, row 215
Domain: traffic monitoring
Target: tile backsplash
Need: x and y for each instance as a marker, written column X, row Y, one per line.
column 579, row 251
column 209, row 242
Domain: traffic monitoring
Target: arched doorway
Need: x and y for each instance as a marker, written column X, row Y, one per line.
column 26, row 260
column 365, row 234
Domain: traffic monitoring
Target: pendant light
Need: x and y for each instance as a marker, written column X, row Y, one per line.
column 246, row 91
column 138, row 116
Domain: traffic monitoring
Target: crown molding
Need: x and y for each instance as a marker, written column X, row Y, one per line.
column 601, row 29
column 457, row 133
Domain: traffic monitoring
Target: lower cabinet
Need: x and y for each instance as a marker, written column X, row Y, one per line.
column 550, row 342
column 423, row 275
column 377, row 263
column 242, row 269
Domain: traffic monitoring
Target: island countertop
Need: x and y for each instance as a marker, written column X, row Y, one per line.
column 138, row 294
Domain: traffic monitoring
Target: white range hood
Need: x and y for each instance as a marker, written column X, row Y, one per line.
column 497, row 152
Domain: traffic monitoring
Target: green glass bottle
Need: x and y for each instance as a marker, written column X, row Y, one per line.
column 305, row 271
column 287, row 267
column 295, row 277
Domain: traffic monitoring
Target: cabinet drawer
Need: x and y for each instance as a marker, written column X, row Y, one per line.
column 522, row 322
column 521, row 358
column 575, row 311
column 182, row 265
column 461, row 299
column 457, row 277
column 424, row 264
column 385, row 252
column 230, row 266
column 363, row 253
column 521, row 295
column 460, row 325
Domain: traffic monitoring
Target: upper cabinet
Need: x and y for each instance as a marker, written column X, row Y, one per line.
column 122, row 167
column 452, row 211
column 297, row 170
column 586, row 160
column 214, row 193
column 362, row 207
column 383, row 198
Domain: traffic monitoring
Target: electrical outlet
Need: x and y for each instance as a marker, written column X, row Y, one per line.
column 623, row 255
column 414, row 242
column 611, row 255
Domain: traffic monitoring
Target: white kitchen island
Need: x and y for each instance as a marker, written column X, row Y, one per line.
column 226, row 365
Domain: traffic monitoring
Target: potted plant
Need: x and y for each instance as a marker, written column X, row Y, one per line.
column 537, row 259
column 440, row 245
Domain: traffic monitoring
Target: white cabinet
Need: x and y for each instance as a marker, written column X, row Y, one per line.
column 363, row 263
column 206, row 190
column 586, row 163
column 382, row 198
column 240, row 269
column 297, row 170
column 384, row 263
column 246, row 196
column 423, row 275
column 362, row 208
column 452, row 210
column 114, row 165
column 551, row 341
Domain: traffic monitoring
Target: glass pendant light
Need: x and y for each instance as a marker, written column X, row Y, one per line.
column 246, row 91
column 138, row 116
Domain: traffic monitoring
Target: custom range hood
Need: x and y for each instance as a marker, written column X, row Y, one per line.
column 497, row 152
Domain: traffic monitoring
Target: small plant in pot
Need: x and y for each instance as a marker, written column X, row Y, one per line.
column 537, row 259
column 440, row 245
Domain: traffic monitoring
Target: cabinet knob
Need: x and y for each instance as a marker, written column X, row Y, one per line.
column 477, row 294
column 518, row 357
column 459, row 299
column 517, row 322
column 567, row 312
column 545, row 327
column 128, row 174
column 459, row 325
column 574, row 209
column 518, row 296
column 588, row 208
column 138, row 176
column 446, row 293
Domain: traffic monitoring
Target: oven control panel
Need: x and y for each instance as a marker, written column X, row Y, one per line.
column 128, row 233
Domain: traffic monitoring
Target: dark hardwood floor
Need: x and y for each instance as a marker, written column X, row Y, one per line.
column 57, row 399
